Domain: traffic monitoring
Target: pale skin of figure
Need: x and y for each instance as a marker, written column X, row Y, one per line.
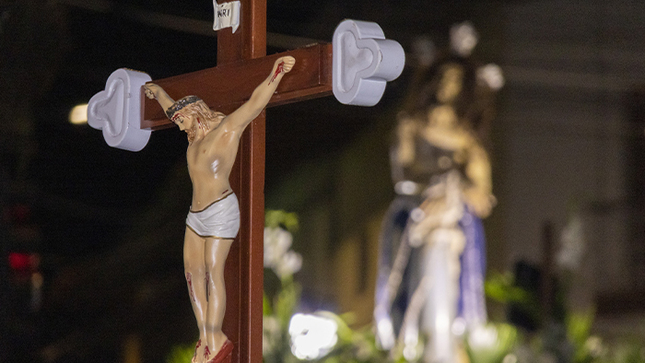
column 211, row 153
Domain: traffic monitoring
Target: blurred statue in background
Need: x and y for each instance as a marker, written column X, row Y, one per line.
column 442, row 177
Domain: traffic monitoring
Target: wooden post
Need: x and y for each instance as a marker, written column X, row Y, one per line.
column 244, row 267
column 245, row 261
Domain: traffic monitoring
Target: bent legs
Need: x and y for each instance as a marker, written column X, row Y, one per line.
column 204, row 261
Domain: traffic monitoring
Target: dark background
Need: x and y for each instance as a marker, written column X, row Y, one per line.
column 103, row 227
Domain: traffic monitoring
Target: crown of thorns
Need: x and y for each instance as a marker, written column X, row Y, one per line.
column 179, row 104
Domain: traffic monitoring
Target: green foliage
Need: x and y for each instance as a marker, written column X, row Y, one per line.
column 181, row 354
column 282, row 219
column 500, row 287
column 277, row 314
column 631, row 352
column 578, row 325
column 354, row 346
column 567, row 340
column 286, row 301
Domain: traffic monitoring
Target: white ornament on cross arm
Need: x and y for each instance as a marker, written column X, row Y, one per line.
column 117, row 110
column 363, row 62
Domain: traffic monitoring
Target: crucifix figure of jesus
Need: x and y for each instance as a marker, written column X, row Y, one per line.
column 214, row 217
column 354, row 68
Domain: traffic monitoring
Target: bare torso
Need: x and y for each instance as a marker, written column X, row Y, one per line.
column 210, row 160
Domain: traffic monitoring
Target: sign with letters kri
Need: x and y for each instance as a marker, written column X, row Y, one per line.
column 227, row 15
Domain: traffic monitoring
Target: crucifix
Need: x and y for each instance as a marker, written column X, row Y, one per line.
column 355, row 68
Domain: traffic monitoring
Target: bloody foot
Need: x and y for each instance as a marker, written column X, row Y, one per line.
column 225, row 353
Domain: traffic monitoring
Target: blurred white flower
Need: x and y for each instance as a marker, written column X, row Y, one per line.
column 312, row 336
column 594, row 346
column 483, row 337
column 492, row 75
column 289, row 264
column 385, row 332
column 276, row 242
column 277, row 256
column 573, row 244
column 412, row 347
column 270, row 334
column 363, row 350
column 510, row 358
column 425, row 50
column 463, row 38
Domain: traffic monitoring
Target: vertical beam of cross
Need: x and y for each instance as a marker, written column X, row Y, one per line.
column 244, row 267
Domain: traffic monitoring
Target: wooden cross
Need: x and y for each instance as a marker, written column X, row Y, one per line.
column 355, row 69
column 241, row 65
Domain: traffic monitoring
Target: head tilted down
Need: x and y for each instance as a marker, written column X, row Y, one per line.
column 192, row 114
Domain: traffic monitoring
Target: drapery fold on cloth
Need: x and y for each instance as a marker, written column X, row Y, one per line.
column 472, row 301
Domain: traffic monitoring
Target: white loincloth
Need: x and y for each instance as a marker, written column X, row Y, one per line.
column 219, row 220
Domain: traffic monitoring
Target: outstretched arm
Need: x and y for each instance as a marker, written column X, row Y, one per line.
column 154, row 91
column 241, row 117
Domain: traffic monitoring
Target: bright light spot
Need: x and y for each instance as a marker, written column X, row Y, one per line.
column 417, row 215
column 411, row 353
column 463, row 38
column 411, row 348
column 37, row 280
column 493, row 76
column 78, row 115
column 442, row 321
column 385, row 333
column 594, row 346
column 406, row 187
column 459, row 326
column 19, row 261
column 483, row 337
column 312, row 336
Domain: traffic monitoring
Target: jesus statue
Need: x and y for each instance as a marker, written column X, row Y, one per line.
column 214, row 218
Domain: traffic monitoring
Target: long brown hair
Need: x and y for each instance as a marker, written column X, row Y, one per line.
column 200, row 110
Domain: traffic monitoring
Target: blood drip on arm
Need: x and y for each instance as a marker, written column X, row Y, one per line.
column 278, row 70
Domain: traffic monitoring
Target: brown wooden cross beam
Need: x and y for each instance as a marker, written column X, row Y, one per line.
column 242, row 65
